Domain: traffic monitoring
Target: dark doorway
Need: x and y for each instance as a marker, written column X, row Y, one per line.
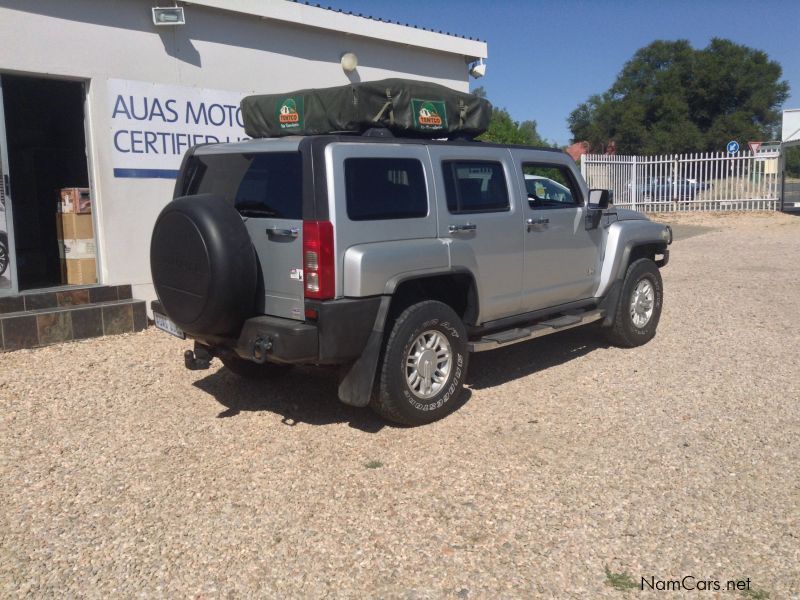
column 46, row 152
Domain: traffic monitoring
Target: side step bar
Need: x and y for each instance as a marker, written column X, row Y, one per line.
column 523, row 334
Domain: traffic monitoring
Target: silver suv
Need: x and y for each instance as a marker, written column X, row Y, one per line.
column 394, row 258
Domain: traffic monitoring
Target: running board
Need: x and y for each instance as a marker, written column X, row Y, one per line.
column 523, row 334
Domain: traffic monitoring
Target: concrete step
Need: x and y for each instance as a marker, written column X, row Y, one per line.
column 43, row 318
column 71, row 296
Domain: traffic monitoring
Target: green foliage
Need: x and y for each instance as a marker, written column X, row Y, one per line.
column 793, row 162
column 620, row 581
column 505, row 130
column 671, row 98
column 479, row 91
column 756, row 594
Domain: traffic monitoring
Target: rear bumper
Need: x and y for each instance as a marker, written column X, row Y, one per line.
column 278, row 340
column 337, row 336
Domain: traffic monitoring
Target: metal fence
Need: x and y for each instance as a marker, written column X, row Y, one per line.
column 686, row 182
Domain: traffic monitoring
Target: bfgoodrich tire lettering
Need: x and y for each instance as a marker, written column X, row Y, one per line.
column 642, row 275
column 396, row 399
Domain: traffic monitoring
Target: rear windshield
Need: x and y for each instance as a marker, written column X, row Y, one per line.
column 257, row 185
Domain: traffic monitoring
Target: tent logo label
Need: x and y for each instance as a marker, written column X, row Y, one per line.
column 290, row 113
column 429, row 114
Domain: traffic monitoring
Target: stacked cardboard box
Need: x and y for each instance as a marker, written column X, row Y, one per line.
column 75, row 200
column 78, row 251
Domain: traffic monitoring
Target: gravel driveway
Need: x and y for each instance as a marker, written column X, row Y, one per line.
column 571, row 466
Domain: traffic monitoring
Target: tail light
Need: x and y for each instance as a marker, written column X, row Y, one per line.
column 318, row 262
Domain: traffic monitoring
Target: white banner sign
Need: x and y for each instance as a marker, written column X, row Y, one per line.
column 152, row 125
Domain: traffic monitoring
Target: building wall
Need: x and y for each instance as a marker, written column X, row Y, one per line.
column 98, row 40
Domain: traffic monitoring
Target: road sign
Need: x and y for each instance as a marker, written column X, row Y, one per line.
column 754, row 146
column 733, row 147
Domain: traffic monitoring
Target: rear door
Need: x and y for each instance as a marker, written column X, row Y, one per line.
column 479, row 216
column 266, row 190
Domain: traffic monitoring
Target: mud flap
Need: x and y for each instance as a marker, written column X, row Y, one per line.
column 609, row 303
column 355, row 388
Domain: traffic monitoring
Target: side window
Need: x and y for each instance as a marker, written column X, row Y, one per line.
column 385, row 188
column 475, row 186
column 550, row 186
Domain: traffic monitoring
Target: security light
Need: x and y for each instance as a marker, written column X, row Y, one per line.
column 349, row 62
column 478, row 70
column 172, row 15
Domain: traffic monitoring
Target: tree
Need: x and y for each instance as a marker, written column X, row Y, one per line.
column 671, row 98
column 505, row 130
column 792, row 158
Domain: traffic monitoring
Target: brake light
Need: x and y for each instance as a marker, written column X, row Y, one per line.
column 318, row 263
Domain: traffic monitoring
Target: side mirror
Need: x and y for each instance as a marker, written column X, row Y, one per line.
column 599, row 199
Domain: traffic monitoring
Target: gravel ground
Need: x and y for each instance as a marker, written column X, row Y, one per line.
column 571, row 465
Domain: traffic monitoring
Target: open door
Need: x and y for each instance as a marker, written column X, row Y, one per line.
column 44, row 151
column 8, row 270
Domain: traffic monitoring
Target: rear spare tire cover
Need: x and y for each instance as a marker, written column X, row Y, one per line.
column 204, row 265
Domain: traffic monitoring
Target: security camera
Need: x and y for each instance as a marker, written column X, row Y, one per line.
column 478, row 70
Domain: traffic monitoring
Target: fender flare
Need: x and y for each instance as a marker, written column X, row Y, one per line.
column 356, row 386
column 621, row 240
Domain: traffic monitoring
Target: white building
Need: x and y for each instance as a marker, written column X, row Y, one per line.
column 96, row 95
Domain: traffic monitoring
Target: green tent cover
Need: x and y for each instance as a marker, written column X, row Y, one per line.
column 407, row 108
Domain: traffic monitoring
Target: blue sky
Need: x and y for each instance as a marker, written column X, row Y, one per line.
column 547, row 57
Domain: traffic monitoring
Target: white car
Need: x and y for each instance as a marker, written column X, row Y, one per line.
column 544, row 191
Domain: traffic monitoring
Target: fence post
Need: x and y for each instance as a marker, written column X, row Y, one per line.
column 584, row 158
column 780, row 178
column 634, row 183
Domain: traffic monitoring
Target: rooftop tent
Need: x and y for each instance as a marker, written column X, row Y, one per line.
column 407, row 108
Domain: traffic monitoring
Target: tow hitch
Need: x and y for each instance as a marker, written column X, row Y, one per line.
column 199, row 359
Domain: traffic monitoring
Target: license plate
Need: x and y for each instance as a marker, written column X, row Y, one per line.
column 164, row 324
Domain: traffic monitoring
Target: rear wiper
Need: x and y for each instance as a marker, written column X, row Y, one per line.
column 256, row 212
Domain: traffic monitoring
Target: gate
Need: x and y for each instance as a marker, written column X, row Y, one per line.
column 686, row 182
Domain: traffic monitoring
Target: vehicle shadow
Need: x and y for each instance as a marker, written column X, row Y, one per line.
column 488, row 369
column 309, row 395
column 304, row 395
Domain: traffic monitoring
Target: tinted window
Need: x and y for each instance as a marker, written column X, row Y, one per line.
column 385, row 188
column 472, row 186
column 550, row 186
column 258, row 185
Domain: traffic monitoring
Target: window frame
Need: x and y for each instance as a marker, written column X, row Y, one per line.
column 574, row 187
column 452, row 163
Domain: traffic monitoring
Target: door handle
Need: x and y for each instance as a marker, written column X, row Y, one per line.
column 464, row 227
column 534, row 222
column 293, row 232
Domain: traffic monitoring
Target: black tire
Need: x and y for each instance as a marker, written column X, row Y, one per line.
column 4, row 258
column 248, row 369
column 624, row 332
column 394, row 398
